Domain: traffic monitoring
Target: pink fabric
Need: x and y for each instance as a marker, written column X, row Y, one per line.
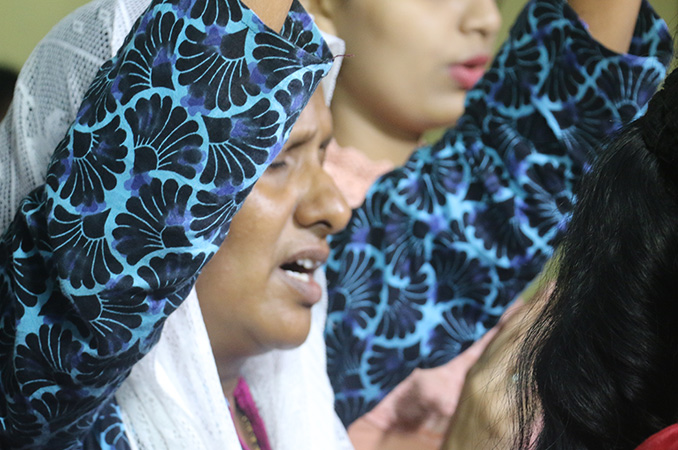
column 245, row 401
column 666, row 439
column 353, row 172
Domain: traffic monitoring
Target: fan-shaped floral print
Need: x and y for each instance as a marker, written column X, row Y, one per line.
column 217, row 75
column 344, row 353
column 276, row 59
column 466, row 223
column 164, row 138
column 99, row 100
column 149, row 64
column 209, row 213
column 82, row 245
column 458, row 275
column 101, row 255
column 546, row 207
column 156, row 220
column 289, row 98
column 405, row 298
column 359, row 274
column 239, row 145
column 51, row 347
column 387, row 362
column 165, row 274
column 98, row 158
column 417, row 275
column 216, row 12
column 108, row 431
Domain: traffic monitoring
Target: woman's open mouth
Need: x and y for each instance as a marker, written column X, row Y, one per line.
column 298, row 272
column 301, row 269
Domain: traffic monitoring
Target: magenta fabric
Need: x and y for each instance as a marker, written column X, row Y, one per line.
column 245, row 401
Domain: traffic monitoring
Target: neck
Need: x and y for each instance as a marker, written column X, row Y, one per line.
column 375, row 137
column 229, row 373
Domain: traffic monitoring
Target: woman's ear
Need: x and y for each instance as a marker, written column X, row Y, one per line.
column 323, row 13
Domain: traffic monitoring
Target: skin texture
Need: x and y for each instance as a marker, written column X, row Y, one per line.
column 249, row 304
column 398, row 83
column 484, row 417
column 600, row 14
column 271, row 12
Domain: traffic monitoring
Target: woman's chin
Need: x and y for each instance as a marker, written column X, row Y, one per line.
column 293, row 341
column 290, row 335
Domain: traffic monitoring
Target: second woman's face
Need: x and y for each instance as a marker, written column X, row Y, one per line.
column 412, row 61
column 257, row 292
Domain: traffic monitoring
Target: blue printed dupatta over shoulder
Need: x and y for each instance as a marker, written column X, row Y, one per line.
column 442, row 245
column 169, row 140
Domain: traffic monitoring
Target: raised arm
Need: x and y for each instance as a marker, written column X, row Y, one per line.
column 443, row 244
column 610, row 22
column 170, row 137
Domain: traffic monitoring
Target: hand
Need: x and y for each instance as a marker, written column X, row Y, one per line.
column 485, row 415
column 417, row 412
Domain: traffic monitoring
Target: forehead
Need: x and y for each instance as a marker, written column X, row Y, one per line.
column 315, row 118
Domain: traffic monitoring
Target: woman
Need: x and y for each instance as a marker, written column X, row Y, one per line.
column 448, row 151
column 599, row 368
column 410, row 67
column 444, row 243
column 260, row 293
column 139, row 196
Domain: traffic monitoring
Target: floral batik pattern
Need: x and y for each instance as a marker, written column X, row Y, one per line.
column 171, row 136
column 442, row 245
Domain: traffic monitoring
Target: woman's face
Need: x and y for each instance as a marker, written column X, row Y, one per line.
column 257, row 292
column 412, row 60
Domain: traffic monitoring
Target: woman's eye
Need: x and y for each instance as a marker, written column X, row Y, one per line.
column 278, row 164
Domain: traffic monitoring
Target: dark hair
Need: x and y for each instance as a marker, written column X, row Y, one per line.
column 599, row 368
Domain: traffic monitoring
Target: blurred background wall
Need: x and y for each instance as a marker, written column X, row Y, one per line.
column 24, row 22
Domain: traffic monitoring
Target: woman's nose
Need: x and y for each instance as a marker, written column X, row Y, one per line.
column 482, row 16
column 323, row 206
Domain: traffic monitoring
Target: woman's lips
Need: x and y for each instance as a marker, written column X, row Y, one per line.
column 468, row 73
column 308, row 289
column 298, row 270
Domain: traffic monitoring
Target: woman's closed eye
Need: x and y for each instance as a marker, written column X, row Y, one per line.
column 278, row 163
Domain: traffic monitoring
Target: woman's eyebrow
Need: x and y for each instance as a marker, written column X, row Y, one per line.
column 299, row 136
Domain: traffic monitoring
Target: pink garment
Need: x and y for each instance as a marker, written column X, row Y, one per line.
column 353, row 172
column 245, row 401
column 419, row 409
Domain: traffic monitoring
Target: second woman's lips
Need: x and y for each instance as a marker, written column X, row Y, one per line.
column 469, row 72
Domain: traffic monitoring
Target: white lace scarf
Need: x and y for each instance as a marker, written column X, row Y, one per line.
column 173, row 398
